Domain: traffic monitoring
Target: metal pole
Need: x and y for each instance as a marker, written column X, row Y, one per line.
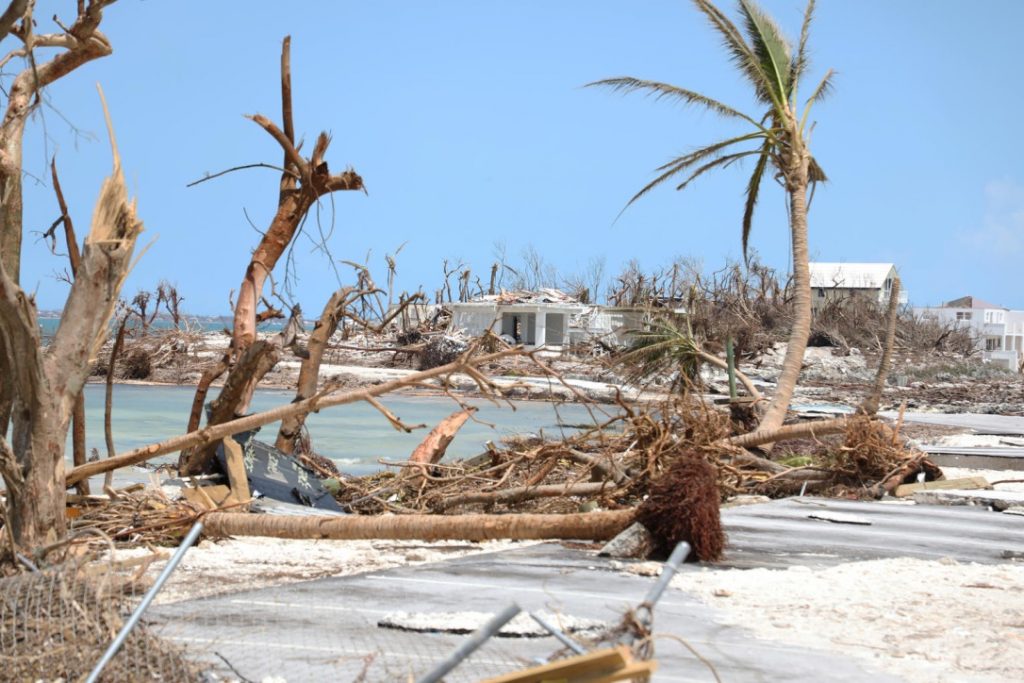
column 557, row 633
column 671, row 567
column 470, row 645
column 193, row 534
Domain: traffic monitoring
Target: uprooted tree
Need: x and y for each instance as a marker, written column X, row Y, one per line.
column 39, row 387
column 780, row 140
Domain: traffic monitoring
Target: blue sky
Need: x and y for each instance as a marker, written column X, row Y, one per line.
column 468, row 122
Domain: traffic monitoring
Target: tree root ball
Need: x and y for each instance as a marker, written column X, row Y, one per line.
column 683, row 505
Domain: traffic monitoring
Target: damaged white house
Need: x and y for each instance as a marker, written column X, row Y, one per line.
column 998, row 331
column 547, row 318
column 839, row 281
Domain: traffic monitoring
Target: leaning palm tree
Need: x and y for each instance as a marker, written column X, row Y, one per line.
column 777, row 140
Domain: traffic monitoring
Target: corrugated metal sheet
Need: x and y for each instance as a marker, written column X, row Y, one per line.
column 781, row 533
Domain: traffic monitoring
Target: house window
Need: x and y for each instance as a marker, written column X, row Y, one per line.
column 821, row 293
column 963, row 315
column 993, row 344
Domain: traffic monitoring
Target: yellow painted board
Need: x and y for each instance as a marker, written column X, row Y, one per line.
column 599, row 662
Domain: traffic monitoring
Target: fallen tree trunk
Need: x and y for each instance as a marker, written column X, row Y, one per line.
column 597, row 526
column 796, row 431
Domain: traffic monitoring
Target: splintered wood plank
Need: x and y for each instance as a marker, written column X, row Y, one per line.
column 637, row 671
column 965, row 483
column 590, row 665
column 210, row 497
column 238, row 480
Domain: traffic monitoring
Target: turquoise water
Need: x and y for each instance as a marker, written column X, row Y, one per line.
column 48, row 326
column 354, row 436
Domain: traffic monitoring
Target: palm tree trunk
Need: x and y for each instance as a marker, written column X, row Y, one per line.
column 794, row 359
column 595, row 526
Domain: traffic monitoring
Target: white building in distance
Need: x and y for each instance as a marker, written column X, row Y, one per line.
column 840, row 281
column 998, row 331
column 548, row 319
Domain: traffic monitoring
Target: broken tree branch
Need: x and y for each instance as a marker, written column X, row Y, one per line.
column 207, row 435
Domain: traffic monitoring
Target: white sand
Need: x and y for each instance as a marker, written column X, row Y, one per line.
column 245, row 563
column 922, row 620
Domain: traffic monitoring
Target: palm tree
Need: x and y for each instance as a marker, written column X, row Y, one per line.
column 777, row 140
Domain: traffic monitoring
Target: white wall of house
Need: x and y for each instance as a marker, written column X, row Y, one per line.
column 999, row 332
column 535, row 325
column 839, row 281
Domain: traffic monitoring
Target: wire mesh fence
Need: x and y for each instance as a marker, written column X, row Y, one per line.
column 55, row 624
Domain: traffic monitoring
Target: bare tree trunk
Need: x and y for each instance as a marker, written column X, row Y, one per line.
column 309, row 372
column 82, row 43
column 47, row 384
column 108, row 399
column 869, row 406
column 303, row 182
column 202, row 389
column 74, row 257
column 255, row 362
column 595, row 526
column 792, row 363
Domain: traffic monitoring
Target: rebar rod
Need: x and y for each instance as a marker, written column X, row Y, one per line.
column 471, row 644
column 558, row 633
column 133, row 620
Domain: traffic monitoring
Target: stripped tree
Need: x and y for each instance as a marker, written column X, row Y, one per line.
column 39, row 387
column 777, row 140
column 303, row 182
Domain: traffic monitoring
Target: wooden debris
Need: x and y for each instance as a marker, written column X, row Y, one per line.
column 602, row 666
column 965, row 483
column 238, row 479
column 432, row 449
column 210, row 497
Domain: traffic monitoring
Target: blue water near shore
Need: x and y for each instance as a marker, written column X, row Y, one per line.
column 355, row 436
column 48, row 326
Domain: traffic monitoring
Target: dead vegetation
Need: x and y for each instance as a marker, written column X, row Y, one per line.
column 57, row 623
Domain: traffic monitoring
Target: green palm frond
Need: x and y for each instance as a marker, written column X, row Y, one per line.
column 743, row 55
column 663, row 347
column 723, row 161
column 680, row 164
column 704, row 152
column 821, row 92
column 753, row 190
column 628, row 84
column 770, row 47
column 800, row 61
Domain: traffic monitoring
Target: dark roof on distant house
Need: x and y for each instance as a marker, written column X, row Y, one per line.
column 971, row 302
